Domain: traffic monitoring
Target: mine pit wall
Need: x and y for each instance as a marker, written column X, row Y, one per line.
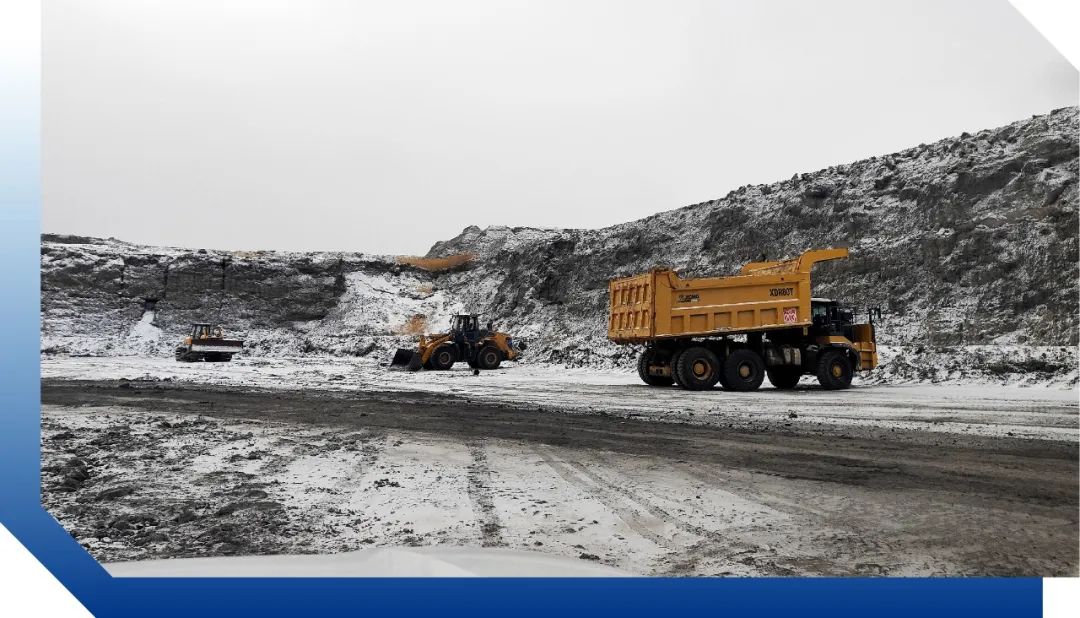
column 968, row 241
column 94, row 293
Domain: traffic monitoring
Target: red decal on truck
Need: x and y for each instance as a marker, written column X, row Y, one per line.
column 791, row 315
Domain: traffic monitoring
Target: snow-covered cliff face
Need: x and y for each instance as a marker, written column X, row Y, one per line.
column 970, row 240
column 105, row 297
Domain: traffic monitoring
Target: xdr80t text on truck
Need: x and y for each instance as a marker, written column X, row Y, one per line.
column 736, row 330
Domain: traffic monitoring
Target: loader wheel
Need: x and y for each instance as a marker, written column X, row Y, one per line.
column 784, row 378
column 488, row 357
column 744, row 370
column 698, row 368
column 648, row 357
column 834, row 370
column 443, row 357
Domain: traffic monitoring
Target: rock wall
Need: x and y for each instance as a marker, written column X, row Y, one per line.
column 94, row 292
column 971, row 240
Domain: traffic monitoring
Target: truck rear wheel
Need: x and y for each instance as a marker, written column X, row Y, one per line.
column 648, row 357
column 744, row 370
column 784, row 377
column 675, row 363
column 834, row 370
column 697, row 368
column 443, row 357
column 488, row 357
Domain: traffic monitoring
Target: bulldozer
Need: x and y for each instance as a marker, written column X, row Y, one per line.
column 481, row 348
column 207, row 342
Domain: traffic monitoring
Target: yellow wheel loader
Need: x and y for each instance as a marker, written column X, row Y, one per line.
column 482, row 348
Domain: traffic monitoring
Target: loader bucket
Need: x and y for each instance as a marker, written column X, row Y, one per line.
column 406, row 359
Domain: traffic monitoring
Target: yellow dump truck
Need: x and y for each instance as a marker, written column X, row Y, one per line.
column 736, row 330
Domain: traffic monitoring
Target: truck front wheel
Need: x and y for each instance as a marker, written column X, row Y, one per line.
column 698, row 368
column 744, row 370
column 834, row 370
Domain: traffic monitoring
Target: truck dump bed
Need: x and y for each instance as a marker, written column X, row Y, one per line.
column 763, row 296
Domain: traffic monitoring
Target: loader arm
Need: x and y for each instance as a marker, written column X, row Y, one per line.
column 428, row 345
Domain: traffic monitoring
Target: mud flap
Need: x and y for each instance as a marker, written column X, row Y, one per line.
column 406, row 360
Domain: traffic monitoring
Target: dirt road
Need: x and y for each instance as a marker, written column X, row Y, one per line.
column 141, row 470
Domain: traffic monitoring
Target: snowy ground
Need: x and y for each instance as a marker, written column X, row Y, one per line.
column 1042, row 412
column 149, row 458
column 307, row 490
column 147, row 471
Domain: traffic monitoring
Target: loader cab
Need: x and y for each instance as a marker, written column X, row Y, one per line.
column 465, row 323
column 465, row 329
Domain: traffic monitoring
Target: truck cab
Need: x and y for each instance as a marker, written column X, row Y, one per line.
column 831, row 319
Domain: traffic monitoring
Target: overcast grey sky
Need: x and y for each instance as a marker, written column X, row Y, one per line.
column 385, row 126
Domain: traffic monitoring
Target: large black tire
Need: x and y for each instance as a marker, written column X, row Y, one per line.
column 784, row 377
column 723, row 380
column 443, row 357
column 698, row 368
column 489, row 357
column 675, row 363
column 648, row 357
column 834, row 370
column 744, row 370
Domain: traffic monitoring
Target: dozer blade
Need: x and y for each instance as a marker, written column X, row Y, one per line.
column 406, row 360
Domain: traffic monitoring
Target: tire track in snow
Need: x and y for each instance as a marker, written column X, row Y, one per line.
column 726, row 546
column 772, row 500
column 328, row 512
column 632, row 517
column 478, row 476
column 646, row 504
